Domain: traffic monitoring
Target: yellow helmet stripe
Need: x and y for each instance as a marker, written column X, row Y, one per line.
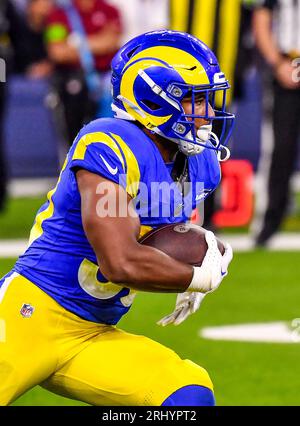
column 180, row 60
column 187, row 66
column 126, row 90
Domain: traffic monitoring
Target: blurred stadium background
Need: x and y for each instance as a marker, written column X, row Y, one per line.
column 249, row 367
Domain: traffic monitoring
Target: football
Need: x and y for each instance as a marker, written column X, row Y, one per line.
column 181, row 241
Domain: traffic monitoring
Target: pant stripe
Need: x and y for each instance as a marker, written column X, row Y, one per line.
column 5, row 285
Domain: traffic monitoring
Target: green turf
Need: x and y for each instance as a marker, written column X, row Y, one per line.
column 39, row 396
column 17, row 219
column 262, row 286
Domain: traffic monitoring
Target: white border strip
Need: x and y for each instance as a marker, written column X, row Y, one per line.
column 6, row 283
column 284, row 241
column 30, row 187
column 270, row 332
column 239, row 243
column 12, row 248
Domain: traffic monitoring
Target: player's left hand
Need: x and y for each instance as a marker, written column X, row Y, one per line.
column 186, row 304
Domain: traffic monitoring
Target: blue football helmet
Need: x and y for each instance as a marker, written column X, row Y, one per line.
column 151, row 75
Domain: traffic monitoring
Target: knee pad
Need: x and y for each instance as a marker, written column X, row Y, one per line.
column 192, row 395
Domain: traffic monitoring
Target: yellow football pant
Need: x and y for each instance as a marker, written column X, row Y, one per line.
column 94, row 363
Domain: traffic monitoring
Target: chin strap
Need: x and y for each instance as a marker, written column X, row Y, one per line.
column 220, row 152
column 189, row 148
column 132, row 105
column 227, row 154
column 120, row 113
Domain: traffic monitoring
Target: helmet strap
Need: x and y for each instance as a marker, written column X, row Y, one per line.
column 227, row 154
column 121, row 114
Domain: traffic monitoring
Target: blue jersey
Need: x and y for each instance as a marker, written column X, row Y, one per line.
column 60, row 259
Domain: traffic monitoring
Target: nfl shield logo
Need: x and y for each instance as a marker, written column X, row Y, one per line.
column 26, row 310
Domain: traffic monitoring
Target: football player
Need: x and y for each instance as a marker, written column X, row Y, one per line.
column 84, row 265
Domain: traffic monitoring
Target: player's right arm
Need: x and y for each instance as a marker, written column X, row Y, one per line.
column 107, row 175
column 121, row 258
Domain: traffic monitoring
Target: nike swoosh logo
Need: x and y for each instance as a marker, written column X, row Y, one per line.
column 223, row 273
column 108, row 166
column 203, row 194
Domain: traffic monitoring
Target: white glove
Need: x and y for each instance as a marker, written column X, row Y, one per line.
column 206, row 279
column 186, row 304
column 214, row 268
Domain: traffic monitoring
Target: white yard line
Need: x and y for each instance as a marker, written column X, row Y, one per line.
column 12, row 248
column 273, row 332
column 280, row 242
column 30, row 187
column 239, row 243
